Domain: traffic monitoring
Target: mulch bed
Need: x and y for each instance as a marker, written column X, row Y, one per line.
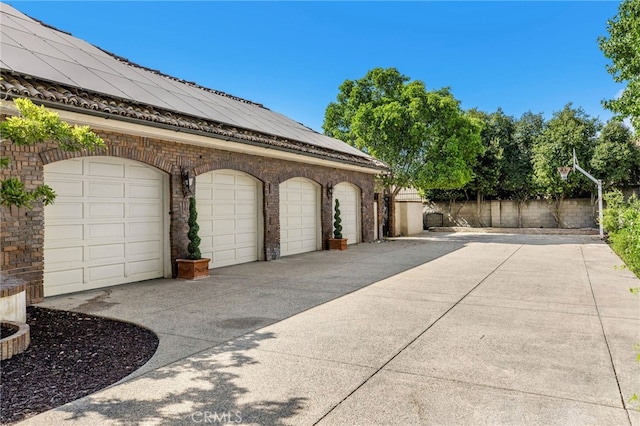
column 71, row 355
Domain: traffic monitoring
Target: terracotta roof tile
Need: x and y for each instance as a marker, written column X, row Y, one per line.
column 21, row 86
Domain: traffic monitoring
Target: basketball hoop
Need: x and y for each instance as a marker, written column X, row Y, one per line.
column 564, row 172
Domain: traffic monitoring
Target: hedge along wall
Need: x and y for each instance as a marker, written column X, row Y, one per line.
column 575, row 213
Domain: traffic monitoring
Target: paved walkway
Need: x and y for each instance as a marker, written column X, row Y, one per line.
column 453, row 329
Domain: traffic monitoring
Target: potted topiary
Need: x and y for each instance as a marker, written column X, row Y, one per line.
column 194, row 266
column 337, row 242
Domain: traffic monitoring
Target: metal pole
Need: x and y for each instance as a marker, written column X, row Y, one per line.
column 597, row 182
column 600, row 208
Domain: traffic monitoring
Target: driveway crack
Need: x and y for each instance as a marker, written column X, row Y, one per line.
column 394, row 356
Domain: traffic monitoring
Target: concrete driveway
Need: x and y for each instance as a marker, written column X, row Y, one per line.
column 452, row 329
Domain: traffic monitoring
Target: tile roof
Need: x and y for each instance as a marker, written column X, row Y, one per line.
column 41, row 62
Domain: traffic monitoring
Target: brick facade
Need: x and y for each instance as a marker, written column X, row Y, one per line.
column 22, row 231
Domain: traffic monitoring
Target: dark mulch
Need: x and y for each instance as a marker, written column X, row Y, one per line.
column 70, row 356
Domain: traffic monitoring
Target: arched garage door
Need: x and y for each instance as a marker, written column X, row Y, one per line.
column 299, row 216
column 229, row 205
column 107, row 225
column 349, row 196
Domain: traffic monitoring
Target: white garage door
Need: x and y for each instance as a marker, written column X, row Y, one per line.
column 106, row 226
column 299, row 221
column 228, row 216
column 349, row 196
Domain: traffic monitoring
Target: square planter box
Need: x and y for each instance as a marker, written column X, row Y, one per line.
column 337, row 243
column 193, row 269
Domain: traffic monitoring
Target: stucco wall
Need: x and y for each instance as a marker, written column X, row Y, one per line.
column 408, row 217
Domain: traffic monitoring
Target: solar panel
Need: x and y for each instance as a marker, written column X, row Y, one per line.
column 131, row 90
column 26, row 62
column 25, row 24
column 40, row 51
column 4, row 36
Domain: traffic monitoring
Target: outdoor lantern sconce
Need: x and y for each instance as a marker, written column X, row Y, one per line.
column 188, row 183
column 329, row 190
column 564, row 174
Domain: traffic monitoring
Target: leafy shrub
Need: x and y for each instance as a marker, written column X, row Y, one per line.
column 622, row 221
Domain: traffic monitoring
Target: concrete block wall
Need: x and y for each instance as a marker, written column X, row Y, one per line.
column 575, row 213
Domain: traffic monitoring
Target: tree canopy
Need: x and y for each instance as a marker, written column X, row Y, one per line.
column 616, row 158
column 623, row 48
column 423, row 136
column 569, row 129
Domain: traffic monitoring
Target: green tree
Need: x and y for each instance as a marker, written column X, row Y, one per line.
column 424, row 137
column 616, row 157
column 569, row 129
column 517, row 169
column 496, row 133
column 623, row 48
column 36, row 125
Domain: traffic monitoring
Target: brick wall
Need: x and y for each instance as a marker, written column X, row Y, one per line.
column 22, row 231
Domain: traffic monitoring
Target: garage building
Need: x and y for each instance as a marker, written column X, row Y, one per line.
column 264, row 184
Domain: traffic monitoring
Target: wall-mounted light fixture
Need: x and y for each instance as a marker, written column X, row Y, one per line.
column 329, row 189
column 188, row 183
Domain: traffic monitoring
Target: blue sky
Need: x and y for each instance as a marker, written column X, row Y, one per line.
column 293, row 56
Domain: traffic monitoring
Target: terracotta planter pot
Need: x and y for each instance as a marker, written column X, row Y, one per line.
column 193, row 269
column 337, row 243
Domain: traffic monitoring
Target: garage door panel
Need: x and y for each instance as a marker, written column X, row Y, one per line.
column 104, row 189
column 245, row 252
column 246, row 193
column 225, row 240
column 66, row 280
column 222, row 210
column 144, row 210
column 55, row 233
column 226, row 255
column 105, row 218
column 105, row 230
column 104, row 169
column 144, row 267
column 151, row 192
column 245, row 240
column 68, row 188
column 224, row 194
column 109, row 273
column 206, row 227
column 245, row 224
column 202, row 193
column 67, row 167
column 349, row 197
column 65, row 255
column 246, row 209
column 61, row 210
column 224, row 225
column 232, row 210
column 224, row 178
column 298, row 216
column 106, row 251
column 106, row 210
column 144, row 248
column 142, row 172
